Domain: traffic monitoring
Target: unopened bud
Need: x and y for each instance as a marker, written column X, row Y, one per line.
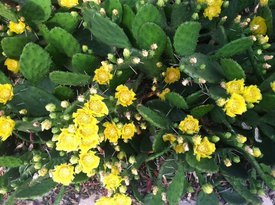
column 50, row 107
column 207, row 188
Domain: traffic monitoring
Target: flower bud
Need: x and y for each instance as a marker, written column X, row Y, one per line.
column 236, row 159
column 65, row 104
column 42, row 172
column 46, row 125
column 126, row 53
column 36, row 158
column 132, row 160
column 122, row 189
column 23, row 112
column 37, row 165
column 50, row 107
column 50, row 144
column 207, row 188
column 256, row 152
column 227, row 162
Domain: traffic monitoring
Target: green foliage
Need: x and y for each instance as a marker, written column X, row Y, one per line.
column 13, row 46
column 64, row 20
column 232, row 70
column 204, row 165
column 59, row 38
column 36, row 189
column 110, row 5
column 234, row 47
column 205, row 68
column 175, row 189
column 3, row 78
column 10, row 161
column 239, row 186
column 63, row 92
column 33, row 99
column 68, row 78
column 176, row 100
column 158, row 143
column 153, row 117
column 147, row 13
column 35, row 62
column 84, row 63
column 186, row 37
column 207, row 199
column 149, row 34
column 36, row 11
column 200, row 111
column 105, row 30
column 7, row 13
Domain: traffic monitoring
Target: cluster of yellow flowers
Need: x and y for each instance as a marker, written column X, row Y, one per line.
column 113, row 132
column 68, row 3
column 240, row 95
column 6, row 123
column 213, row 8
column 190, row 125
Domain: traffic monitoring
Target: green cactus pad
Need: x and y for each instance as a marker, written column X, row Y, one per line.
column 128, row 17
column 84, row 63
column 207, row 199
column 200, row 111
column 68, row 78
column 210, row 72
column 33, row 99
column 35, row 62
column 176, row 100
column 186, row 38
column 3, row 78
column 13, row 46
column 176, row 188
column 234, row 47
column 204, row 165
column 110, row 5
column 153, row 117
column 232, row 70
column 64, row 20
column 105, row 30
column 64, row 93
column 10, row 161
column 148, row 13
column 7, row 13
column 151, row 33
column 59, row 38
column 36, row 11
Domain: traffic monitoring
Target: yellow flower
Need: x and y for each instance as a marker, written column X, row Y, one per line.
column 235, row 86
column 89, row 137
column 207, row 188
column 214, row 2
column 204, row 149
column 252, row 94
column 124, row 95
column 102, row 76
column 112, row 181
column 6, row 93
column 68, row 3
column 12, row 65
column 163, row 93
column 6, row 127
column 263, row 2
column 235, row 105
column 172, row 75
column 256, row 152
column 83, row 117
column 189, row 125
column 122, row 199
column 111, row 132
column 88, row 162
column 96, row 105
column 241, row 139
column 258, row 25
column 272, row 85
column 67, row 141
column 169, row 137
column 212, row 11
column 180, row 148
column 63, row 174
column 128, row 131
column 105, row 201
column 17, row 28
